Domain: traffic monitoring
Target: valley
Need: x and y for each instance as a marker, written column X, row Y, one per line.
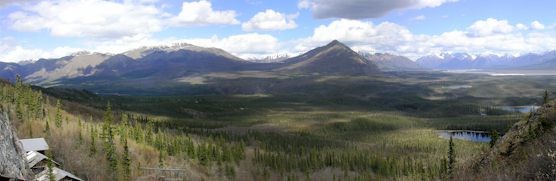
column 291, row 125
column 328, row 114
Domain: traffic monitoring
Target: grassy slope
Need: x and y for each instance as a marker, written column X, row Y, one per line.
column 526, row 152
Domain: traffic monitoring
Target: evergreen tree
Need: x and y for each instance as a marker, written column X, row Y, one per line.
column 124, row 124
column 50, row 166
column 107, row 120
column 58, row 118
column 108, row 138
column 451, row 155
column 160, row 159
column 545, row 96
column 494, row 137
column 126, row 161
column 79, row 137
column 47, row 128
column 93, row 149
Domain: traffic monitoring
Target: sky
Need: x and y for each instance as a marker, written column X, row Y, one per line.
column 33, row 29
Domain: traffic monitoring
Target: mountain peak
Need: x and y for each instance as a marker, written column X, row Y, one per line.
column 334, row 43
column 334, row 58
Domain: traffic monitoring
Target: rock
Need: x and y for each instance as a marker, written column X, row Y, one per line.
column 12, row 161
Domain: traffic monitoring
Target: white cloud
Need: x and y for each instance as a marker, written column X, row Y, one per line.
column 490, row 26
column 105, row 19
column 92, row 18
column 494, row 36
column 483, row 36
column 20, row 53
column 270, row 20
column 9, row 2
column 537, row 25
column 361, row 32
column 201, row 13
column 419, row 18
column 361, row 9
column 243, row 45
column 521, row 26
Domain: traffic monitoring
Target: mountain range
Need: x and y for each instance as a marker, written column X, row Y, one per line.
column 163, row 65
column 179, row 60
column 448, row 61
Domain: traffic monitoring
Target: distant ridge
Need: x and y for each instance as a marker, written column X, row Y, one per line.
column 467, row 61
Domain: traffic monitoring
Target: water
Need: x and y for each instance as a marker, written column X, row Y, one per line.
column 520, row 109
column 454, row 87
column 474, row 136
column 504, row 72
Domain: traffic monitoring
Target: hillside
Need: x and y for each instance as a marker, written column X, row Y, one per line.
column 121, row 145
column 525, row 152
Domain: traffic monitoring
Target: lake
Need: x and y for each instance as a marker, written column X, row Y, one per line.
column 467, row 135
column 520, row 109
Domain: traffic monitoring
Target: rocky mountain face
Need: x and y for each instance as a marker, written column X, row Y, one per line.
column 12, row 161
column 334, row 58
column 467, row 61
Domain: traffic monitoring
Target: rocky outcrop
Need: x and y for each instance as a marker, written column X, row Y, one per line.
column 12, row 160
column 526, row 152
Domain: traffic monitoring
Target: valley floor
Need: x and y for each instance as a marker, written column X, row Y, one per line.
column 336, row 128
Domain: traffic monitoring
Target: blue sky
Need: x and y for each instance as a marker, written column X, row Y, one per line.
column 256, row 28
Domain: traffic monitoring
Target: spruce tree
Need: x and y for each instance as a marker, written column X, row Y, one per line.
column 93, row 149
column 160, row 159
column 545, row 96
column 493, row 137
column 58, row 118
column 451, row 155
column 126, row 161
column 79, row 137
column 47, row 128
column 50, row 166
column 108, row 138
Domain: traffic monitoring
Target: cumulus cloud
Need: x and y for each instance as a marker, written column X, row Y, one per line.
column 521, row 26
column 270, row 20
column 19, row 53
column 481, row 37
column 92, row 18
column 537, row 25
column 112, row 19
column 362, row 9
column 242, row 45
column 201, row 13
column 493, row 36
column 490, row 26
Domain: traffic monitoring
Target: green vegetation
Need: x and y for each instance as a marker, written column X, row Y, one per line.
column 348, row 128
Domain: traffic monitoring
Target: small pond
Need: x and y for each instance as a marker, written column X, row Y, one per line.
column 520, row 109
column 475, row 136
column 455, row 87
